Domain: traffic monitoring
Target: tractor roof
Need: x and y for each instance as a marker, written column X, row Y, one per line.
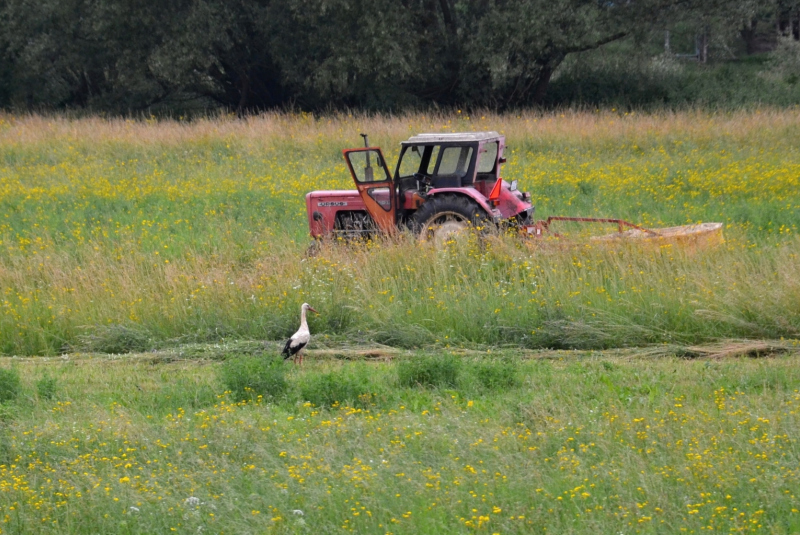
column 457, row 137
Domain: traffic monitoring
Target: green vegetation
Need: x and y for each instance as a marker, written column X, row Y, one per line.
column 185, row 58
column 249, row 378
column 429, row 370
column 122, row 236
column 46, row 387
column 630, row 80
column 580, row 441
column 9, row 384
column 351, row 387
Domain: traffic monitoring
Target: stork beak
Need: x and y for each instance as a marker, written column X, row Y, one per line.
column 312, row 309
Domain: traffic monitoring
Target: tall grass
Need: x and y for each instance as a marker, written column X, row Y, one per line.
column 138, row 234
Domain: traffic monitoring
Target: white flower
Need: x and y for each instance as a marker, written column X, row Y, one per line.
column 297, row 512
column 191, row 500
column 133, row 509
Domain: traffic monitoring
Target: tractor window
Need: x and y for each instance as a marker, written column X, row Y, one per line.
column 368, row 166
column 455, row 161
column 382, row 196
column 411, row 161
column 487, row 158
column 432, row 155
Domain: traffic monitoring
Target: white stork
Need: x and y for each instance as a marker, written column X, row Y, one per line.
column 300, row 339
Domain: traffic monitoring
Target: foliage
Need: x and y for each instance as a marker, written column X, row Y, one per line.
column 251, row 377
column 496, row 374
column 46, row 387
column 245, row 55
column 631, row 80
column 429, row 371
column 10, row 385
column 785, row 60
column 343, row 387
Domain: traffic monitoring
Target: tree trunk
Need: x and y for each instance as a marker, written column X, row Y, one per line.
column 748, row 33
column 540, row 89
column 244, row 92
column 701, row 46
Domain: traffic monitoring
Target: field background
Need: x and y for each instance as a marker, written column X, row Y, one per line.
column 120, row 234
column 149, row 270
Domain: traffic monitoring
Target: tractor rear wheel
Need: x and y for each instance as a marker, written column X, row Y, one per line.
column 443, row 217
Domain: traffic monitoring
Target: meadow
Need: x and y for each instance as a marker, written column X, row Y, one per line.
column 136, row 235
column 564, row 442
column 149, row 270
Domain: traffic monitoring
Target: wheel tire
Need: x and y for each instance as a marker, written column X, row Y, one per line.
column 442, row 217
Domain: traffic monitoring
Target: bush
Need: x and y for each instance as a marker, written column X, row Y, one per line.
column 785, row 59
column 248, row 377
column 427, row 370
column 46, row 387
column 496, row 375
column 9, row 384
column 347, row 387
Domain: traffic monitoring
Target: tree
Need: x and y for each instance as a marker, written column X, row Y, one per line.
column 131, row 55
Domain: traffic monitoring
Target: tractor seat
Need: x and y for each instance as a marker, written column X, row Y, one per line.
column 446, row 181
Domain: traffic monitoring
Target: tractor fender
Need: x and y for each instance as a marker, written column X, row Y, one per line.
column 472, row 193
column 510, row 203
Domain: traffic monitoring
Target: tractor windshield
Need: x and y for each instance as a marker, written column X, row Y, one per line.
column 441, row 166
column 410, row 161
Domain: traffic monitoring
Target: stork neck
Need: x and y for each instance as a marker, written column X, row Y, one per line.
column 303, row 322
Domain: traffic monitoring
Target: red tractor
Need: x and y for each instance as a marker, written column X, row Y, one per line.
column 442, row 184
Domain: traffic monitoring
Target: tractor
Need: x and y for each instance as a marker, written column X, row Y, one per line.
column 443, row 184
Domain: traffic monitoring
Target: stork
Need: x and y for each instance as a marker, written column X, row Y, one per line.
column 299, row 340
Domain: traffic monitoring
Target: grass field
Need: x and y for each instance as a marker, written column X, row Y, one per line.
column 143, row 264
column 150, row 234
column 566, row 442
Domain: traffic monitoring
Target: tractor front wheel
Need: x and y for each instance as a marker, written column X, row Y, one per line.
column 441, row 218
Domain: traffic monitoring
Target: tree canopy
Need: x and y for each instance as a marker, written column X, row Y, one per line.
column 131, row 55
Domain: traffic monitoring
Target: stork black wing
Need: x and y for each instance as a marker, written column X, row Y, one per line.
column 289, row 350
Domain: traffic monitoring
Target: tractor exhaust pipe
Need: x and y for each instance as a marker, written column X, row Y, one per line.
column 368, row 173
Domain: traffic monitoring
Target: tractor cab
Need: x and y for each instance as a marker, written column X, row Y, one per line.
column 437, row 161
column 456, row 173
column 449, row 160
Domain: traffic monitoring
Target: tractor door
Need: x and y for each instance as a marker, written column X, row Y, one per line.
column 374, row 183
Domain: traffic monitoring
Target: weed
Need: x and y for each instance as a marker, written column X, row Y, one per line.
column 46, row 387
column 340, row 387
column 248, row 377
column 496, row 374
column 429, row 371
column 9, row 384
